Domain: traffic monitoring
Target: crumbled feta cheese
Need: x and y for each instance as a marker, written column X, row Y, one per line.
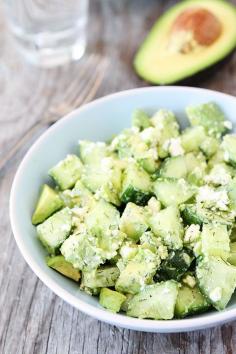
column 226, row 156
column 162, row 252
column 149, row 136
column 154, row 205
column 216, row 294
column 192, row 233
column 228, row 124
column 218, row 176
column 190, row 281
column 213, row 199
column 174, row 147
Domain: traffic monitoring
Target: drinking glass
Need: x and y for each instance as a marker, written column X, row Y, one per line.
column 48, row 32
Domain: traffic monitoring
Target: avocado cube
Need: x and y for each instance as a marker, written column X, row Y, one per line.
column 67, row 172
column 111, row 300
column 168, row 226
column 48, row 202
column 155, row 301
column 208, row 115
column 53, row 232
column 103, row 277
column 133, row 221
column 232, row 256
column 136, row 186
column 192, row 138
column 62, row 266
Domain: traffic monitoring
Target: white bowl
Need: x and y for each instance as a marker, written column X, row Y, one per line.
column 98, row 121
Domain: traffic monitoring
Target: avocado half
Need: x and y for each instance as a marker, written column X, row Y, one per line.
column 188, row 38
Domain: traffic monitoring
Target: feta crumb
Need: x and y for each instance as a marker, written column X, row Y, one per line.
column 228, row 124
column 192, row 233
column 174, row 147
column 212, row 198
column 190, row 281
column 149, row 136
column 218, row 176
column 216, row 294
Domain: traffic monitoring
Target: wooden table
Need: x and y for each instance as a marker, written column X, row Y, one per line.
column 33, row 319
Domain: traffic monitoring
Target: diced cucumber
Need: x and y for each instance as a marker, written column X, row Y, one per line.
column 217, row 280
column 104, row 179
column 53, row 232
column 103, row 277
column 62, row 266
column 138, row 272
column 67, row 172
column 79, row 196
column 175, row 265
column 102, row 218
column 133, row 221
column 167, row 127
column 232, row 256
column 170, row 191
column 193, row 214
column 215, row 240
column 136, row 186
column 208, row 115
column 167, row 224
column 49, row 201
column 220, row 174
column 209, row 146
column 218, row 157
column 140, row 119
column 92, row 153
column 192, row 138
column 190, row 301
column 82, row 251
column 111, row 300
column 155, row 301
column 229, row 147
column 174, row 167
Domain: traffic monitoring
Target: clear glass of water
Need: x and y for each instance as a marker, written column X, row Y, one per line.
column 48, row 32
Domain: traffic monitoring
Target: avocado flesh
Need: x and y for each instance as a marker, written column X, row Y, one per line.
column 48, row 202
column 156, row 64
column 62, row 266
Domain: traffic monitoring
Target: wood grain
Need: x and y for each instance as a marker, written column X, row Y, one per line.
column 32, row 319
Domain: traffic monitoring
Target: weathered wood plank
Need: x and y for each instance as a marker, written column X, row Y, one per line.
column 32, row 319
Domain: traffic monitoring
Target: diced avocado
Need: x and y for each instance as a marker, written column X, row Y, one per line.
column 192, row 138
column 125, row 304
column 104, row 179
column 190, row 301
column 171, row 191
column 141, row 119
column 133, row 221
column 136, row 186
column 92, row 153
column 168, row 226
column 215, row 240
column 178, row 46
column 232, row 256
column 82, row 251
column 138, row 272
column 62, row 266
column 217, row 280
column 193, row 214
column 111, row 300
column 208, row 115
column 49, row 201
column 209, row 146
column 175, row 265
column 231, row 188
column 67, row 172
column 103, row 277
column 53, row 232
column 229, row 147
column 102, row 218
column 218, row 157
column 155, row 301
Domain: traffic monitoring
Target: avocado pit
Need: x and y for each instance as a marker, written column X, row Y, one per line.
column 194, row 28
